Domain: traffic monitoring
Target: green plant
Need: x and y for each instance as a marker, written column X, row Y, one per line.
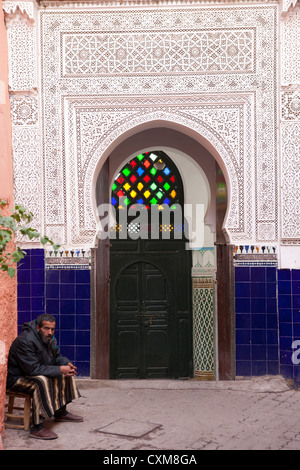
column 10, row 225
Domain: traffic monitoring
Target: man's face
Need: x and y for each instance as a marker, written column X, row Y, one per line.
column 47, row 330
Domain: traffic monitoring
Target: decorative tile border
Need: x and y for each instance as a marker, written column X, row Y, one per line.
column 255, row 260
column 203, row 327
column 70, row 253
column 67, row 266
column 252, row 255
column 255, row 249
column 72, row 258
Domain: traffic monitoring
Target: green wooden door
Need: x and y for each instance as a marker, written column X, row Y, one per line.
column 150, row 311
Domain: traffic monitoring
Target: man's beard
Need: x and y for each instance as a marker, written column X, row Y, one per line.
column 46, row 340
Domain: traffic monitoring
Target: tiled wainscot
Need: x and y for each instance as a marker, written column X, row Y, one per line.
column 267, row 306
column 256, row 318
column 60, row 287
column 267, row 309
column 289, row 323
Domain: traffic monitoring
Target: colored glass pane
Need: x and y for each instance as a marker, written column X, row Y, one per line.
column 140, row 171
column 166, row 228
column 142, row 181
column 126, row 171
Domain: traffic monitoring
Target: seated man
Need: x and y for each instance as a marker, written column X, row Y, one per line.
column 36, row 367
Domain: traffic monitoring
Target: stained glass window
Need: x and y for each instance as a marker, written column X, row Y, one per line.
column 148, row 179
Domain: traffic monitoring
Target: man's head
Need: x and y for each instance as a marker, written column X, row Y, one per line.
column 45, row 325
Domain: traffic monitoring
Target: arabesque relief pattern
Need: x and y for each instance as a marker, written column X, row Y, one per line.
column 103, row 71
column 290, row 124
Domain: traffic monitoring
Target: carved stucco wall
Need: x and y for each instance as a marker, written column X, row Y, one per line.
column 95, row 73
column 290, row 123
column 290, row 134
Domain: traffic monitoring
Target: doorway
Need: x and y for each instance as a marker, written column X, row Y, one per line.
column 102, row 353
column 151, row 314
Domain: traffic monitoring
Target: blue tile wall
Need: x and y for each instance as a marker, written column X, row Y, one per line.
column 256, row 320
column 289, row 323
column 31, row 286
column 267, row 308
column 68, row 299
column 64, row 293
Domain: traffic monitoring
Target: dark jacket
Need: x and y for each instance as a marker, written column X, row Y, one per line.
column 29, row 355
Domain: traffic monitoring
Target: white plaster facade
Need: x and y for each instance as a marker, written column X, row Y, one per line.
column 85, row 76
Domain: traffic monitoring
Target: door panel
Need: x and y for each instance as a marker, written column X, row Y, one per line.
column 141, row 320
column 127, row 287
column 155, row 287
column 128, row 341
column 157, row 354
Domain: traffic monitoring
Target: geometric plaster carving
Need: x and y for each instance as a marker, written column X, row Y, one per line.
column 21, row 36
column 24, row 109
column 290, row 44
column 290, row 124
column 12, row 8
column 27, row 166
column 99, row 128
column 290, row 181
column 290, row 105
column 123, row 52
column 207, row 68
column 287, row 4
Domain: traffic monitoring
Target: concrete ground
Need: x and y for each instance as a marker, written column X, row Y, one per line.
column 159, row 415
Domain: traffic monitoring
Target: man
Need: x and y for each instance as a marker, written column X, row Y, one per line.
column 36, row 367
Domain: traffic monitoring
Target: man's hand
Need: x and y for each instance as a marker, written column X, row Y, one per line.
column 68, row 370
